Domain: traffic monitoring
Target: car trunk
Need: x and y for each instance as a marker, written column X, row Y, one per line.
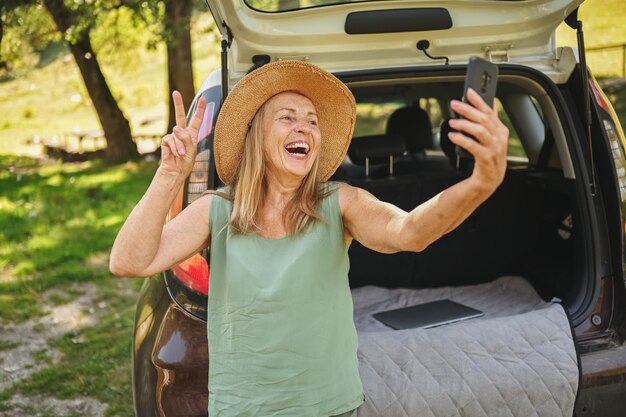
column 527, row 250
column 533, row 226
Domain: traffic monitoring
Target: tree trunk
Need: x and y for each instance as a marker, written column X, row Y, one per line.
column 120, row 145
column 179, row 60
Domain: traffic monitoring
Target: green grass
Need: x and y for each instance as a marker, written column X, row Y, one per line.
column 58, row 224
column 96, row 367
column 55, row 219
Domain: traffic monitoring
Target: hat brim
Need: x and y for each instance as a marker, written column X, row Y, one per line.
column 333, row 101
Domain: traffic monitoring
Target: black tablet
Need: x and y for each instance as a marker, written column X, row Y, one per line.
column 427, row 315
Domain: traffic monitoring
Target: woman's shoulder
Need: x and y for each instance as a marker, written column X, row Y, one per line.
column 220, row 194
column 331, row 187
column 350, row 196
column 342, row 189
column 339, row 192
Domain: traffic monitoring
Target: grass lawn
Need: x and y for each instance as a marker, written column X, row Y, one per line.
column 58, row 224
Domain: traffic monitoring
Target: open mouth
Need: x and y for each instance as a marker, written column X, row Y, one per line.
column 298, row 148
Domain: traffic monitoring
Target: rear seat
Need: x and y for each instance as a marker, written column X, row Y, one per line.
column 458, row 258
column 413, row 124
column 377, row 154
column 433, row 182
column 480, row 249
column 401, row 190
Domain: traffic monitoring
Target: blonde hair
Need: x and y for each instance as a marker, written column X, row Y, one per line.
column 249, row 188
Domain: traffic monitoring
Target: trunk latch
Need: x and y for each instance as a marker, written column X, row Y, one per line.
column 498, row 53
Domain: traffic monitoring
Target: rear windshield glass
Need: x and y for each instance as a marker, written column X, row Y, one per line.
column 372, row 118
column 286, row 5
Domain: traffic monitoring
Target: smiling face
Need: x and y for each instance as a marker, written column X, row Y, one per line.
column 291, row 136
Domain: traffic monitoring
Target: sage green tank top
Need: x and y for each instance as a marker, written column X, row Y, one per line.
column 281, row 333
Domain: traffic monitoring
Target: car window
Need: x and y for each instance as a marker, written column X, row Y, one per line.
column 284, row 5
column 516, row 151
column 432, row 107
column 371, row 118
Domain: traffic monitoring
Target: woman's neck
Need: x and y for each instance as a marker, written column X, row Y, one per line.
column 278, row 196
column 279, row 190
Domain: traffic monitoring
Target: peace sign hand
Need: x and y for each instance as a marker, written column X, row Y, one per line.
column 179, row 148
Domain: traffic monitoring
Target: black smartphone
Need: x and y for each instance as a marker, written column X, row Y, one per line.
column 482, row 77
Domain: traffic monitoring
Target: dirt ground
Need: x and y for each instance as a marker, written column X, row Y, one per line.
column 28, row 339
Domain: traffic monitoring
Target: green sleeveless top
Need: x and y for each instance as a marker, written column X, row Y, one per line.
column 281, row 333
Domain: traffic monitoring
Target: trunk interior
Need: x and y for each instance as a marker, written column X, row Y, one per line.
column 530, row 227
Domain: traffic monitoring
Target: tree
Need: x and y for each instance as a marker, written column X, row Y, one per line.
column 177, row 25
column 120, row 145
column 23, row 31
column 171, row 22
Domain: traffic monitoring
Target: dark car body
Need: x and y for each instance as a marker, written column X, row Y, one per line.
column 555, row 169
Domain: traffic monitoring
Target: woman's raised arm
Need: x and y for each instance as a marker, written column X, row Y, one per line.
column 386, row 228
column 144, row 245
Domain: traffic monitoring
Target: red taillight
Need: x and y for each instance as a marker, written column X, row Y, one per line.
column 194, row 273
column 615, row 135
column 605, row 104
column 599, row 96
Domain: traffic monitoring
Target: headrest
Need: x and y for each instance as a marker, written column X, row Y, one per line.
column 447, row 146
column 378, row 148
column 413, row 124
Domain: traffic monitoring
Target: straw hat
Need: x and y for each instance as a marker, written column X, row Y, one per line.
column 333, row 101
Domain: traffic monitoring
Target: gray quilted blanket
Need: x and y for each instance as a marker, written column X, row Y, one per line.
column 517, row 360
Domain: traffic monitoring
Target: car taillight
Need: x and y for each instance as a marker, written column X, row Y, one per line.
column 613, row 120
column 617, row 142
column 615, row 135
column 188, row 282
column 194, row 273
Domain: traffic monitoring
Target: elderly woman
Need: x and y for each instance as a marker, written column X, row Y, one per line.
column 281, row 334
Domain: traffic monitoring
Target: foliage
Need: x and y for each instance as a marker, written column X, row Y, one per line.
column 28, row 31
column 119, row 36
column 603, row 24
column 118, row 29
column 60, row 103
